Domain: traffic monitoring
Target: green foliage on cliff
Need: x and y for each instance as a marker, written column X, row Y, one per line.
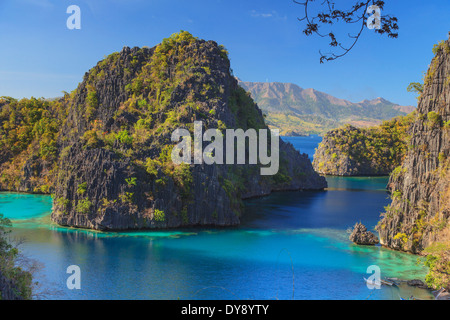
column 243, row 107
column 84, row 206
column 124, row 138
column 131, row 181
column 81, row 189
column 438, row 262
column 29, row 129
column 21, row 279
column 402, row 237
column 434, row 119
column 386, row 144
column 417, row 221
column 415, row 87
column 441, row 46
column 112, row 134
column 159, row 215
column 182, row 176
column 91, row 102
column 28, row 121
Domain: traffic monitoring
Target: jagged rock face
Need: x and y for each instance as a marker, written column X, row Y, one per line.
column 113, row 170
column 361, row 236
column 420, row 187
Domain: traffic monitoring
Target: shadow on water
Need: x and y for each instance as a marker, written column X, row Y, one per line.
column 252, row 261
column 309, row 209
column 214, row 264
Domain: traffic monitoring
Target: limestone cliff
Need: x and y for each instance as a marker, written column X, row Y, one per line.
column 420, row 187
column 114, row 169
column 351, row 151
column 418, row 217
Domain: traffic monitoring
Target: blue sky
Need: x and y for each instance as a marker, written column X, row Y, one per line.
column 40, row 57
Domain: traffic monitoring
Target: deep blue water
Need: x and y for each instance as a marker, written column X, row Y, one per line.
column 306, row 145
column 290, row 245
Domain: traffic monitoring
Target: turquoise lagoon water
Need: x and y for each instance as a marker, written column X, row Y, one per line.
column 290, row 245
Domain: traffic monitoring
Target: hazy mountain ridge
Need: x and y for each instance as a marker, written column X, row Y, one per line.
column 295, row 110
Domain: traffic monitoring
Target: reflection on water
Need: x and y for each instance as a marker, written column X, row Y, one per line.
column 357, row 183
column 307, row 209
column 250, row 262
column 303, row 231
column 306, row 145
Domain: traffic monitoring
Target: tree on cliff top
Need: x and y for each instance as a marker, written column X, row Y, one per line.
column 361, row 14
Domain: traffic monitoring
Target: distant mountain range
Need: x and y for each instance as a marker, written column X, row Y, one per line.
column 298, row 111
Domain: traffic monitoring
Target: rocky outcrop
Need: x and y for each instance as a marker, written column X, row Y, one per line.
column 351, row 151
column 420, row 186
column 417, row 283
column 115, row 171
column 361, row 236
column 418, row 218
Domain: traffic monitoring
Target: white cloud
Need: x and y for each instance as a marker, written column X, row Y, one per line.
column 266, row 15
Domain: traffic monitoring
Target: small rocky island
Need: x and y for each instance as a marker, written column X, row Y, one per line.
column 360, row 235
column 352, row 151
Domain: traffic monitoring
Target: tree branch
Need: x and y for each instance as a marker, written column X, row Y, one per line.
column 329, row 15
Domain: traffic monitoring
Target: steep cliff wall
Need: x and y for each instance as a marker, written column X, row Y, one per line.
column 418, row 217
column 420, row 185
column 115, row 170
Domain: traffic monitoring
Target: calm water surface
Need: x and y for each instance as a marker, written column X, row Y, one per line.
column 290, row 245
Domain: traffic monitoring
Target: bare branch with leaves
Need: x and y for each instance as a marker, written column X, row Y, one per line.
column 329, row 15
